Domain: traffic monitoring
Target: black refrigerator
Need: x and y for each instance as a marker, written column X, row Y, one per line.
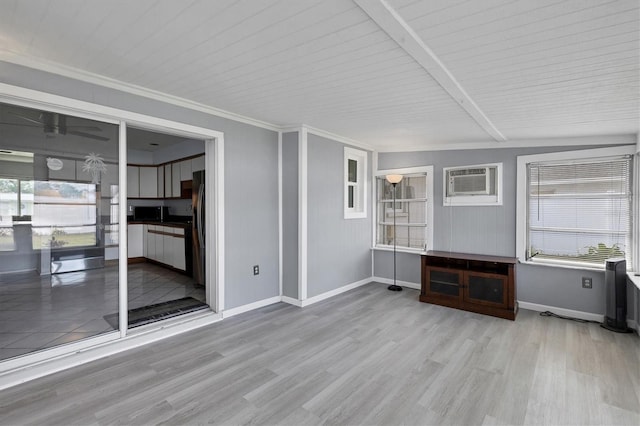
column 198, row 227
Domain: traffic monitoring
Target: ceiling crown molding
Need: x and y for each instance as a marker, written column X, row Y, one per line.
column 99, row 80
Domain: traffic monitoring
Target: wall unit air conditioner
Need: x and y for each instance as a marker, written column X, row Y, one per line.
column 472, row 185
column 471, row 181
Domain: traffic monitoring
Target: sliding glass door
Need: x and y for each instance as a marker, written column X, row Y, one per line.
column 58, row 231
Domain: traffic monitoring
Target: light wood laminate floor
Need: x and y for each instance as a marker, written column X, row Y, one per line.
column 368, row 356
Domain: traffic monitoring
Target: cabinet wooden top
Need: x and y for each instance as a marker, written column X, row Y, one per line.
column 469, row 256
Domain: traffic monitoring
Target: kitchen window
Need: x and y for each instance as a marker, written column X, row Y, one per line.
column 413, row 209
column 575, row 207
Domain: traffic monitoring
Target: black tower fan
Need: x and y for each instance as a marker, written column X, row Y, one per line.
column 615, row 282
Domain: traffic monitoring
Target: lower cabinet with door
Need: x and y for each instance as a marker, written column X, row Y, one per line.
column 166, row 244
column 477, row 283
column 160, row 243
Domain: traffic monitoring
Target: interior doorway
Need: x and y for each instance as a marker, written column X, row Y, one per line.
column 166, row 224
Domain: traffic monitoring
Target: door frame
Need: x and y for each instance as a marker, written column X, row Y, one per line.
column 214, row 150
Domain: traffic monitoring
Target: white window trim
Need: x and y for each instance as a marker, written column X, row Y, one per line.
column 359, row 210
column 521, row 196
column 428, row 170
column 473, row 200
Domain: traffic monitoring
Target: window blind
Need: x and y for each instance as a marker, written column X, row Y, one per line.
column 580, row 212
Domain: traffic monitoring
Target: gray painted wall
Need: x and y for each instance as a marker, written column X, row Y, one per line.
column 339, row 249
column 290, row 214
column 251, row 178
column 491, row 230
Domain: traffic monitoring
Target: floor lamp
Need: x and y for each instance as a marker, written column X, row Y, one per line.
column 394, row 180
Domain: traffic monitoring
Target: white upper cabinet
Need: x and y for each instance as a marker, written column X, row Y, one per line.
column 197, row 164
column 167, row 181
column 160, row 181
column 133, row 182
column 185, row 170
column 148, row 182
column 175, row 179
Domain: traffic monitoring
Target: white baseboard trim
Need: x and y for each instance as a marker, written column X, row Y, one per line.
column 328, row 294
column 561, row 311
column 292, row 301
column 250, row 306
column 335, row 292
column 27, row 368
column 407, row 284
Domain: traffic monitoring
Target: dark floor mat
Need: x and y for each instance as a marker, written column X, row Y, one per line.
column 157, row 312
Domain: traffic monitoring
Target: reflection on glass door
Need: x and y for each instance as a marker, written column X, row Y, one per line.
column 58, row 232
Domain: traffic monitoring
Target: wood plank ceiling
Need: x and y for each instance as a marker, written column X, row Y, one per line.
column 533, row 69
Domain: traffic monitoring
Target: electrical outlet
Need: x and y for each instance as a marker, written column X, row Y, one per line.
column 256, row 269
column 587, row 282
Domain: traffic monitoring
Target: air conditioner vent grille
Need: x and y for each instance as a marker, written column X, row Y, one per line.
column 467, row 172
column 470, row 184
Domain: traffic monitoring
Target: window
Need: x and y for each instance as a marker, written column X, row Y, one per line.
column 575, row 207
column 479, row 185
column 16, row 202
column 64, row 214
column 413, row 209
column 355, row 183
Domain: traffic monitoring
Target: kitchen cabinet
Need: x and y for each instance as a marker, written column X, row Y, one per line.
column 175, row 179
column 144, row 241
column 109, row 178
column 133, row 182
column 67, row 172
column 160, row 181
column 197, row 164
column 134, row 241
column 166, row 244
column 148, row 182
column 167, row 181
column 185, row 170
column 477, row 283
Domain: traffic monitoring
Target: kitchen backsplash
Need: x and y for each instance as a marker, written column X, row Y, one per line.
column 176, row 207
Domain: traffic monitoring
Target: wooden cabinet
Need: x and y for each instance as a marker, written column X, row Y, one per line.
column 477, row 283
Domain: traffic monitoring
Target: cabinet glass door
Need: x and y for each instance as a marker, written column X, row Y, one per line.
column 485, row 289
column 443, row 282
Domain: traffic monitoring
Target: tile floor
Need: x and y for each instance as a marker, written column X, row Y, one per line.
column 38, row 312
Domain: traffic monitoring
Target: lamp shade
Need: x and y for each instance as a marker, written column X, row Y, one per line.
column 394, row 178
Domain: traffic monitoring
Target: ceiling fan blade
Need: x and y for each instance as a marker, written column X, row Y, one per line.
column 87, row 135
column 86, row 128
column 25, row 118
column 20, row 124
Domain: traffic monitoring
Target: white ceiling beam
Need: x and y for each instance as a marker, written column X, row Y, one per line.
column 397, row 28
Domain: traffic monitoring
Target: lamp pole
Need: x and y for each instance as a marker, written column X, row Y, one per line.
column 394, row 180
